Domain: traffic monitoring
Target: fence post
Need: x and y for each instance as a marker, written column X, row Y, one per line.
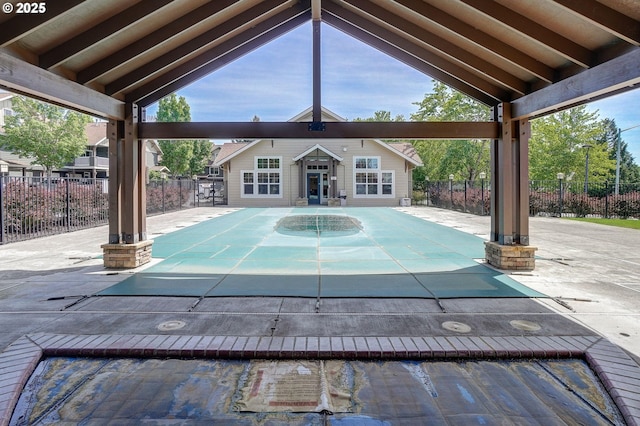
column 560, row 193
column 1, row 209
column 606, row 200
column 68, row 204
column 163, row 205
column 465, row 196
column 179, row 194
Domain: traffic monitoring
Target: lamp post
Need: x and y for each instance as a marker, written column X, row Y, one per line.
column 451, row 191
column 560, row 177
column 586, row 168
column 618, row 159
column 426, row 189
column 483, row 176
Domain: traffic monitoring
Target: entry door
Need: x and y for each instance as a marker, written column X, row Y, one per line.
column 313, row 188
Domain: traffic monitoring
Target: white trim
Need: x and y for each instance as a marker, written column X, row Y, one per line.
column 378, row 171
column 313, row 148
column 256, row 185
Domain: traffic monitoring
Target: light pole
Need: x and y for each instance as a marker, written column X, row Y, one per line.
column 483, row 176
column 618, row 159
column 560, row 177
column 426, row 189
column 451, row 191
column 586, row 168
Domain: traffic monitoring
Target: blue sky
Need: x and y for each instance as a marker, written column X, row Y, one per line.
column 274, row 83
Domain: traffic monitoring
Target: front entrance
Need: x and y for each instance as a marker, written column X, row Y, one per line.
column 314, row 192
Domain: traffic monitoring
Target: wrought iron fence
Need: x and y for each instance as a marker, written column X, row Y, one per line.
column 32, row 207
column 546, row 198
column 37, row 207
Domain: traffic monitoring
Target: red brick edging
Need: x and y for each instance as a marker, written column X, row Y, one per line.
column 619, row 373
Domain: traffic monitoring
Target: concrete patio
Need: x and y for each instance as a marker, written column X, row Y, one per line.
column 591, row 274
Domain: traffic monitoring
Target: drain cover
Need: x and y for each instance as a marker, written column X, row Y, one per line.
column 171, row 325
column 525, row 325
column 458, row 327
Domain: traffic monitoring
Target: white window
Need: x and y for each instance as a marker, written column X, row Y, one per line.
column 265, row 180
column 369, row 180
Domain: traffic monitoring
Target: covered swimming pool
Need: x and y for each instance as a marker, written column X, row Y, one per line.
column 319, row 253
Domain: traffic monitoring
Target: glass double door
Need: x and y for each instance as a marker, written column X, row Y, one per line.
column 317, row 188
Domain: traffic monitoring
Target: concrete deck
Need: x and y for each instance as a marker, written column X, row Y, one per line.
column 592, row 271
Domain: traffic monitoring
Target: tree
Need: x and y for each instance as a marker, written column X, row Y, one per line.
column 181, row 157
column 384, row 116
column 53, row 136
column 559, row 144
column 465, row 159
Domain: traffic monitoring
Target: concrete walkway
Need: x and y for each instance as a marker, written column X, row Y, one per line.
column 593, row 272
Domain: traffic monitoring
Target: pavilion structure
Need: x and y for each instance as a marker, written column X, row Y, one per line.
column 523, row 58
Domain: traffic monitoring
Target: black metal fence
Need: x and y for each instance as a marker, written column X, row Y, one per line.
column 546, row 198
column 32, row 207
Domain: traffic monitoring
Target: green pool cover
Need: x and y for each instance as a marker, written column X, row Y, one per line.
column 319, row 252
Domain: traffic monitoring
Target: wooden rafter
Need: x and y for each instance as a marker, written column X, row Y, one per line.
column 199, row 42
column 535, row 31
column 151, row 40
column 447, row 48
column 23, row 24
column 99, row 32
column 488, row 42
column 217, row 57
column 610, row 20
column 427, row 62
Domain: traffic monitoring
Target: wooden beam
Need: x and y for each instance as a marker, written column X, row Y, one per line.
column 417, row 57
column 100, row 32
column 615, row 76
column 23, row 24
column 150, row 41
column 33, row 81
column 602, row 16
column 317, row 73
column 332, row 130
column 482, row 39
column 218, row 56
column 168, row 58
column 569, row 49
column 445, row 47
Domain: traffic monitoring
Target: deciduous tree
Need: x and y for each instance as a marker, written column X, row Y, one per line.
column 181, row 157
column 51, row 135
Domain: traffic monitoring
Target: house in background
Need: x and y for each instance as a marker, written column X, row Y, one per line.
column 94, row 163
column 288, row 172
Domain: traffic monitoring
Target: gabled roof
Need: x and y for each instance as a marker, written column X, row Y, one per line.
column 406, row 150
column 109, row 51
column 96, row 133
column 230, row 150
column 316, row 147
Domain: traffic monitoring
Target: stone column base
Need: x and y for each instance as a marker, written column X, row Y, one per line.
column 510, row 257
column 123, row 256
column 302, row 202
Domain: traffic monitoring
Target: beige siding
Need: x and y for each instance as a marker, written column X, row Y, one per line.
column 4, row 104
column 290, row 148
